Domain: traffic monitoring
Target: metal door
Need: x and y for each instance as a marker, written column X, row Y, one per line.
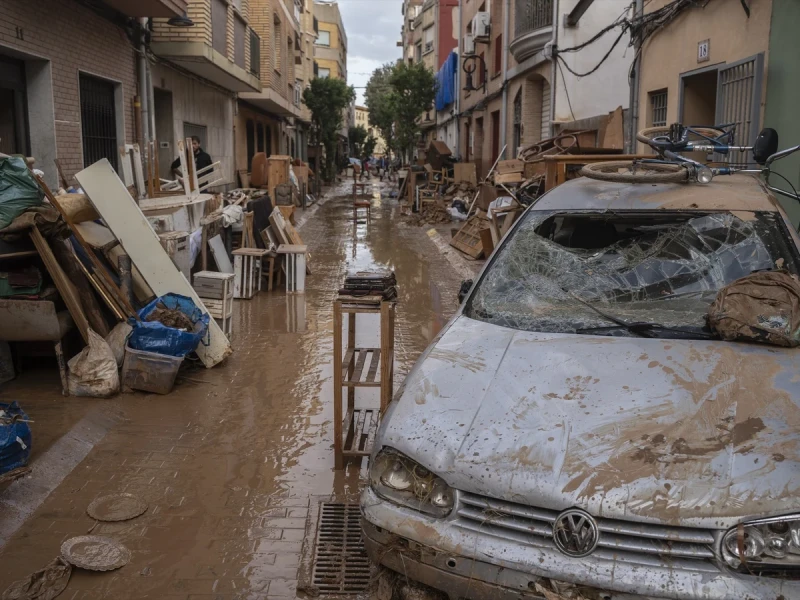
column 739, row 100
column 13, row 112
column 98, row 121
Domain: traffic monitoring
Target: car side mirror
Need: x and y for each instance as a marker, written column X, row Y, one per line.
column 766, row 145
column 466, row 285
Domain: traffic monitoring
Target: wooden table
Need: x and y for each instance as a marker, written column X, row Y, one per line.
column 556, row 166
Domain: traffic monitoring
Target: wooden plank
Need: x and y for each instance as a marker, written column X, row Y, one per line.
column 337, row 386
column 138, row 174
column 614, row 135
column 277, row 173
column 387, row 349
column 465, row 172
column 373, row 366
column 510, row 166
column 509, row 178
column 220, row 254
column 373, row 430
column 61, row 177
column 348, row 358
column 65, row 287
column 348, row 430
column 358, row 430
column 140, row 242
column 278, row 224
column 99, row 268
column 359, row 370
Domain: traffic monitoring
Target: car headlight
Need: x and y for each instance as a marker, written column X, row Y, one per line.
column 771, row 544
column 397, row 478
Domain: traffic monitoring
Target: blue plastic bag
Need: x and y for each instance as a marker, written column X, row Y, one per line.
column 152, row 336
column 15, row 437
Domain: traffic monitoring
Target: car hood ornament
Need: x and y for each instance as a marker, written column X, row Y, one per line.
column 575, row 533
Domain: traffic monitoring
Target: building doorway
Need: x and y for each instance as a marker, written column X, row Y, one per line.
column 517, row 141
column 13, row 110
column 477, row 147
column 98, row 120
column 495, row 136
column 165, row 131
column 700, row 98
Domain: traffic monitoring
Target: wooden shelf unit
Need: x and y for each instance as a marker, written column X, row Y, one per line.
column 355, row 428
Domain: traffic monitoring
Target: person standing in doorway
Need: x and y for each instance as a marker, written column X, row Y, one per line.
column 201, row 158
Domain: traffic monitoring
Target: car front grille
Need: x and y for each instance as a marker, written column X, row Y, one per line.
column 639, row 543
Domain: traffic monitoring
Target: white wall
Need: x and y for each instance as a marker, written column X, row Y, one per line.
column 607, row 88
column 200, row 104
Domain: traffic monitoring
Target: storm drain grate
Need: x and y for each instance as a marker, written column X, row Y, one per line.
column 341, row 565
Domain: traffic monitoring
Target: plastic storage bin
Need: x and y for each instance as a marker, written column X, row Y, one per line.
column 149, row 371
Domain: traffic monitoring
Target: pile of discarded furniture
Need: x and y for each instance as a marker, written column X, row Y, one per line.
column 139, row 271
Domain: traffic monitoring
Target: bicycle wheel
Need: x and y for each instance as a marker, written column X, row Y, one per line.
column 626, row 171
column 649, row 135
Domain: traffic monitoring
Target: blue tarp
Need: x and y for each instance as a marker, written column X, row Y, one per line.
column 152, row 336
column 446, row 82
column 15, row 437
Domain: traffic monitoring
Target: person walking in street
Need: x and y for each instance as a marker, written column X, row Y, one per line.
column 201, row 158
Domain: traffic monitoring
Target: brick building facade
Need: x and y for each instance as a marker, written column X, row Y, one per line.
column 45, row 62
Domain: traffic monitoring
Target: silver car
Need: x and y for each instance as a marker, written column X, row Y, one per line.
column 577, row 422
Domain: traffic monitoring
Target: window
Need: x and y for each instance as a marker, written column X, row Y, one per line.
column 13, row 117
column 324, row 38
column 277, row 46
column 419, row 52
column 98, row 120
column 298, row 92
column 428, row 39
column 517, row 123
column 239, row 39
column 260, row 137
column 658, row 108
column 498, row 54
column 324, row 73
column 219, row 26
column 255, row 54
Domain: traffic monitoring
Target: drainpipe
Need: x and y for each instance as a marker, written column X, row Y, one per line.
column 144, row 94
column 635, row 84
column 504, row 109
column 553, row 67
column 459, row 37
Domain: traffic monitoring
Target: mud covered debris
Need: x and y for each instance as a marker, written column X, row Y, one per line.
column 171, row 318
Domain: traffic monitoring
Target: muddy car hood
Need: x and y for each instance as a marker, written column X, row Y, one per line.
column 701, row 432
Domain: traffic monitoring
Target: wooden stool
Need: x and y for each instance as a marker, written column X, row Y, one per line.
column 365, row 204
column 247, row 269
column 295, row 266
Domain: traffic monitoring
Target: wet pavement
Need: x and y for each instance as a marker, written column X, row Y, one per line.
column 231, row 460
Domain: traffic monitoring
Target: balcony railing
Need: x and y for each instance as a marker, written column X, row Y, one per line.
column 532, row 15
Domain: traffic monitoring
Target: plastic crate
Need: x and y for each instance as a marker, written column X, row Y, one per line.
column 149, row 371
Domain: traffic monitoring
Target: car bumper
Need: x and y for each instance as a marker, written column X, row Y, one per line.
column 466, row 564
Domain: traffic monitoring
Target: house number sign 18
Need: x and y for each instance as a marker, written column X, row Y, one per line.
column 703, row 51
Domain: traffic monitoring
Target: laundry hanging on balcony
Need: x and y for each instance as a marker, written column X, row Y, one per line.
column 446, row 82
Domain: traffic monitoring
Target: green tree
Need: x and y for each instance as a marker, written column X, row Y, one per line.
column 327, row 99
column 369, row 145
column 380, row 99
column 414, row 89
column 357, row 136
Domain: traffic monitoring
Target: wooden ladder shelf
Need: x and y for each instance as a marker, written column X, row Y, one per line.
column 354, row 367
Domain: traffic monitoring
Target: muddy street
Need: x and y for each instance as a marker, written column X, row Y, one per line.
column 231, row 461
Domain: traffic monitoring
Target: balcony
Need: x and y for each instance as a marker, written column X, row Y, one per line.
column 150, row 8
column 205, row 49
column 533, row 27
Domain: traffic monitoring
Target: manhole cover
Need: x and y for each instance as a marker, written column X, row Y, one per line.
column 116, row 507
column 341, row 565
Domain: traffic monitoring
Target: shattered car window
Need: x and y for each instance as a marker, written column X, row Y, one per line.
column 662, row 268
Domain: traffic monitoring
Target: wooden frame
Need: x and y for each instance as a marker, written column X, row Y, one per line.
column 354, row 430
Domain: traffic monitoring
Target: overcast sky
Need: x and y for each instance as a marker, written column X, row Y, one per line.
column 373, row 29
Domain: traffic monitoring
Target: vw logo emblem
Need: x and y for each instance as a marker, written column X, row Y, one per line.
column 575, row 533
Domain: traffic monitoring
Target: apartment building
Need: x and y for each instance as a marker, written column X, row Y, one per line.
column 721, row 65
column 428, row 36
column 330, row 55
column 362, row 120
column 71, row 97
column 274, row 120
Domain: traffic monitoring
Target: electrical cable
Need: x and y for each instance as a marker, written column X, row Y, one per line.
column 791, row 185
column 560, row 59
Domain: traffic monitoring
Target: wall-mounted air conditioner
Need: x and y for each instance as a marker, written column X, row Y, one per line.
column 481, row 26
column 469, row 45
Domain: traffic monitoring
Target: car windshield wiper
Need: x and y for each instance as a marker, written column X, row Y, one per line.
column 642, row 329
